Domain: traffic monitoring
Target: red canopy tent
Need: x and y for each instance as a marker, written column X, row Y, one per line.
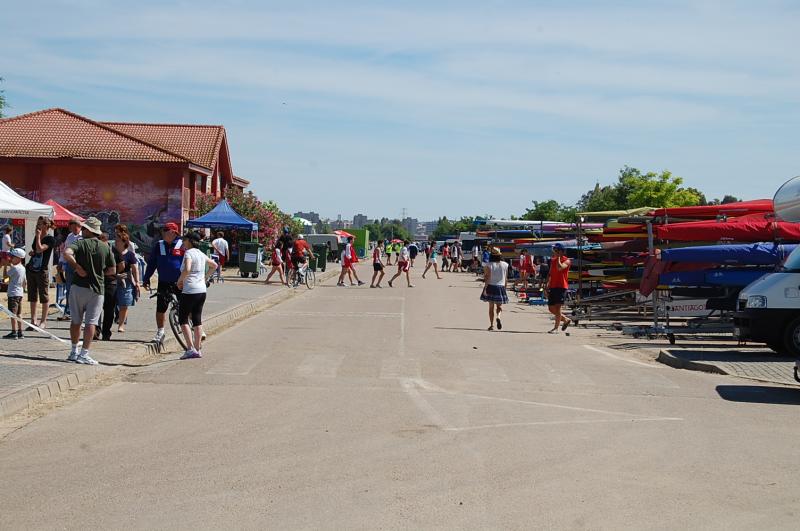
column 62, row 215
column 752, row 228
column 743, row 208
column 343, row 233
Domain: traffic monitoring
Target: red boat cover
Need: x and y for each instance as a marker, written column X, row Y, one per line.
column 753, row 228
column 743, row 208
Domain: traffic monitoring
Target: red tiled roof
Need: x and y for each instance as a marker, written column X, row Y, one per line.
column 56, row 133
column 240, row 181
column 198, row 143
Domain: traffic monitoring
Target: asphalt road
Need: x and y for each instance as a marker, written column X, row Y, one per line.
column 364, row 409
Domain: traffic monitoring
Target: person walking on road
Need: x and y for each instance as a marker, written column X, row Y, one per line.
column 193, row 283
column 277, row 263
column 127, row 274
column 92, row 261
column 348, row 259
column 403, row 265
column 557, row 285
column 445, row 258
column 387, row 247
column 109, row 298
column 413, row 251
column 16, row 281
column 377, row 266
column 495, row 278
column 526, row 268
column 166, row 257
column 432, row 262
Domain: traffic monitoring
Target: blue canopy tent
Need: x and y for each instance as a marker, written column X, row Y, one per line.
column 222, row 216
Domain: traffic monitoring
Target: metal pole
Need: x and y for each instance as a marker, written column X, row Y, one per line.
column 580, row 259
column 651, row 252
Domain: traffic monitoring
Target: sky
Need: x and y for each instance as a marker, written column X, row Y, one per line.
column 441, row 108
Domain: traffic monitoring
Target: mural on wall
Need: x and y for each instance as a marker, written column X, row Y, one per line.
column 17, row 232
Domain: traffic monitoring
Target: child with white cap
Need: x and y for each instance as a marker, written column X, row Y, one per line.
column 16, row 285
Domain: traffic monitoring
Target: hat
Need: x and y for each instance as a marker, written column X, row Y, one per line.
column 301, row 237
column 558, row 247
column 93, row 225
column 19, row 253
column 495, row 251
column 171, row 226
column 75, row 221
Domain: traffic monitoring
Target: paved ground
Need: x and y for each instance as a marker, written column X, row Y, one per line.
column 36, row 359
column 754, row 363
column 394, row 408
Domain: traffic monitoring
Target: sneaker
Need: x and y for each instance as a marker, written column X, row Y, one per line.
column 360, row 283
column 20, row 335
column 11, row 335
column 191, row 354
column 73, row 355
column 203, row 336
column 159, row 337
column 390, row 284
column 85, row 359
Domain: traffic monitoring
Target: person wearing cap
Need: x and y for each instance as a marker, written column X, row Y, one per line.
column 403, row 264
column 196, row 270
column 37, row 271
column 73, row 236
column 557, row 285
column 299, row 252
column 16, row 288
column 166, row 257
column 92, row 261
column 495, row 278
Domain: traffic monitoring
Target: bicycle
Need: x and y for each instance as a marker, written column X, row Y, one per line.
column 173, row 308
column 304, row 275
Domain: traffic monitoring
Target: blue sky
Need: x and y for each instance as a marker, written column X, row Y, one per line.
column 443, row 108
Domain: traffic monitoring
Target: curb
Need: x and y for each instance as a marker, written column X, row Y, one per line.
column 41, row 392
column 667, row 358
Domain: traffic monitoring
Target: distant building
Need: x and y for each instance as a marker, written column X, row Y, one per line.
column 429, row 226
column 410, row 224
column 359, row 220
column 313, row 217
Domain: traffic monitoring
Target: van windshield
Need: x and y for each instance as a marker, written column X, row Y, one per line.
column 792, row 263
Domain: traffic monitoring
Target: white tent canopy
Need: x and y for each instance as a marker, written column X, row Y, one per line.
column 13, row 205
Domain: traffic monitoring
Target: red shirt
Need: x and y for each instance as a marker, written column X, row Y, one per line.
column 559, row 278
column 299, row 247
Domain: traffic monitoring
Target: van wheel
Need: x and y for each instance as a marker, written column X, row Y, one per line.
column 791, row 338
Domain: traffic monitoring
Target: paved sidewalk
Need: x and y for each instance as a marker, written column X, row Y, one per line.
column 35, row 368
column 745, row 362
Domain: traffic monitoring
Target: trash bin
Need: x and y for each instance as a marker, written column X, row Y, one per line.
column 250, row 259
column 321, row 253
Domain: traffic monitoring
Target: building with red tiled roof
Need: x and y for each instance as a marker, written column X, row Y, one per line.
column 135, row 173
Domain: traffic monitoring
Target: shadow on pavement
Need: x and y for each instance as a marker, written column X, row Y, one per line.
column 64, row 360
column 753, row 394
column 736, row 356
column 503, row 331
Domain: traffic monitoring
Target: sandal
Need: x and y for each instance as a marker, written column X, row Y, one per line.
column 490, row 329
column 499, row 324
column 566, row 324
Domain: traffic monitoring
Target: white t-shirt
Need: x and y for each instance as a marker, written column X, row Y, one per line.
column 6, row 242
column 196, row 281
column 347, row 253
column 497, row 273
column 222, row 245
column 16, row 276
column 404, row 254
column 71, row 239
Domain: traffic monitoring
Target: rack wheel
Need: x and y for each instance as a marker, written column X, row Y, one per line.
column 242, row 274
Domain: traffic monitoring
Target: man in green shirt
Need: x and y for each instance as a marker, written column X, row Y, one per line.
column 91, row 259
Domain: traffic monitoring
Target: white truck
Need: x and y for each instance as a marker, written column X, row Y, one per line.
column 768, row 310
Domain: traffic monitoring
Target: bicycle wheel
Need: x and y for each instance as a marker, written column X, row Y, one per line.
column 311, row 279
column 175, row 325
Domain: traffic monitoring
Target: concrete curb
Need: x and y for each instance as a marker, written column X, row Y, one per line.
column 667, row 358
column 28, row 398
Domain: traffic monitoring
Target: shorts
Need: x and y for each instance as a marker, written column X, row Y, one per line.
column 125, row 294
column 556, row 296
column 377, row 266
column 402, row 267
column 347, row 264
column 165, row 291
column 37, row 285
column 191, row 304
column 15, row 305
column 296, row 261
column 85, row 305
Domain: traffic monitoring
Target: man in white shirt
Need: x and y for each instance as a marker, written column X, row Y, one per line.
column 403, row 265
column 221, row 249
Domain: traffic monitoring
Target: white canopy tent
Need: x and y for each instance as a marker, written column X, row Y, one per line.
column 13, row 205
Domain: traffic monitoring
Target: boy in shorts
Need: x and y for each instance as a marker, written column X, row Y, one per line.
column 403, row 265
column 16, row 282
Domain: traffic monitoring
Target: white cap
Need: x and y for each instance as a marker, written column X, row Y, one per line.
column 19, row 253
column 301, row 237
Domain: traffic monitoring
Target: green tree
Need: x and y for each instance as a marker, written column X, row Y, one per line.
column 550, row 210
column 3, row 103
column 635, row 189
column 387, row 230
column 445, row 227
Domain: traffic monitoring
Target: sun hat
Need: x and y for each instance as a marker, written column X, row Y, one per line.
column 171, row 226
column 93, row 225
column 19, row 253
column 495, row 251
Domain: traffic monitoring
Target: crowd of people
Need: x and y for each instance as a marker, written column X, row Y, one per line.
column 100, row 280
